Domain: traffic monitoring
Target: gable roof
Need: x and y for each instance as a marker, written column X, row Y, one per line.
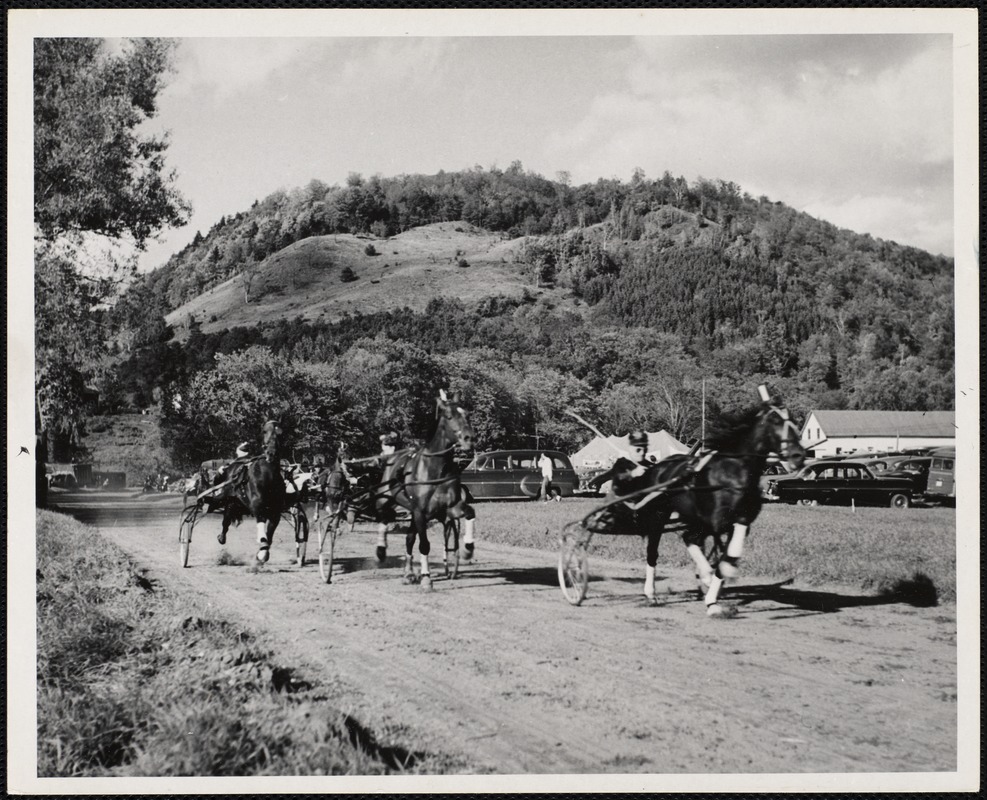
column 886, row 423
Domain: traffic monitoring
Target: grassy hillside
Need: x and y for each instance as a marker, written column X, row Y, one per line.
column 304, row 279
column 130, row 443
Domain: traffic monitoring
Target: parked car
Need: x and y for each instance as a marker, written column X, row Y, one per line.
column 771, row 473
column 942, row 476
column 843, row 482
column 63, row 480
column 304, row 478
column 585, row 475
column 502, row 474
column 885, row 463
column 773, row 477
column 916, row 469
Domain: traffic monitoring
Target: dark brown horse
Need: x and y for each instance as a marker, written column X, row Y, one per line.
column 720, row 500
column 257, row 488
column 425, row 481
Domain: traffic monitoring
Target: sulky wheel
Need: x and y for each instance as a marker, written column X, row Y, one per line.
column 328, row 528
column 450, row 531
column 573, row 570
column 185, row 538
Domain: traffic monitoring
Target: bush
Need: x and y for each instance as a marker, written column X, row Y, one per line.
column 370, row 250
column 347, row 275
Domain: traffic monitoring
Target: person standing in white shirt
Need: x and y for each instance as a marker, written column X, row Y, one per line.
column 547, row 473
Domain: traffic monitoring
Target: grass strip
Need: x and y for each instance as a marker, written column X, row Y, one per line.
column 909, row 553
column 135, row 681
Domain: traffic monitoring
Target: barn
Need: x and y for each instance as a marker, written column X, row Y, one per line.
column 840, row 432
column 602, row 452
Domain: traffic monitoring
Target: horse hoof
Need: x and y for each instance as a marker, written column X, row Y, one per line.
column 717, row 611
column 221, row 538
column 426, row 583
column 468, row 551
column 381, row 554
column 650, row 600
column 263, row 555
column 408, row 580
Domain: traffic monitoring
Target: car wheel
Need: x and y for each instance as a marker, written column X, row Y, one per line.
column 808, row 502
column 900, row 501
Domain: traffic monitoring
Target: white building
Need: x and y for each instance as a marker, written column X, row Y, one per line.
column 830, row 433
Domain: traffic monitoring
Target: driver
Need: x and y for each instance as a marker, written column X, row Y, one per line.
column 389, row 443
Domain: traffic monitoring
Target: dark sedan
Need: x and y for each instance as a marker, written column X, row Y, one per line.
column 916, row 469
column 843, row 483
column 504, row 474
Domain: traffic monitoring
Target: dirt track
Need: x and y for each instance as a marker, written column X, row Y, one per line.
column 498, row 667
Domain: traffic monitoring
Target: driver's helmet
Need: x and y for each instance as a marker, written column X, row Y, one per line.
column 243, row 450
column 638, row 439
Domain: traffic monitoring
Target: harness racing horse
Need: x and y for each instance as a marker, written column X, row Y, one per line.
column 721, row 498
column 425, row 481
column 258, row 488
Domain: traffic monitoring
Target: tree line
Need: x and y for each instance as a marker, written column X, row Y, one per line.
column 680, row 283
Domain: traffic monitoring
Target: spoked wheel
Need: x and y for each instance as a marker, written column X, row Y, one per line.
column 573, row 570
column 451, row 532
column 301, row 533
column 328, row 528
column 185, row 534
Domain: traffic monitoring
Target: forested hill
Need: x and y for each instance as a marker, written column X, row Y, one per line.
column 664, row 281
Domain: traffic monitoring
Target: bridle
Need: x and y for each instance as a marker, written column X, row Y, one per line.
column 443, row 407
column 789, row 436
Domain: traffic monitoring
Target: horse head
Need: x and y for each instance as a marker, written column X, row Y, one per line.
column 779, row 433
column 452, row 420
column 271, row 433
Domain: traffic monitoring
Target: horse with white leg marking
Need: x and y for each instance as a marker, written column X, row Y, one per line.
column 715, row 496
column 426, row 483
column 258, row 488
column 723, row 498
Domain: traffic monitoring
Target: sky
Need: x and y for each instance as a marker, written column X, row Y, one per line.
column 854, row 129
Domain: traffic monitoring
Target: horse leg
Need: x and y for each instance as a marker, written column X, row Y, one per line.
column 381, row 543
column 221, row 536
column 469, row 531
column 654, row 539
column 409, row 542
column 424, row 547
column 726, row 568
column 263, row 540
column 704, row 572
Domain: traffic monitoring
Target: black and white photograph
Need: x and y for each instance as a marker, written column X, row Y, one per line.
column 492, row 400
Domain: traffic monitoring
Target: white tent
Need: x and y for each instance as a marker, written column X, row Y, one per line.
column 603, row 452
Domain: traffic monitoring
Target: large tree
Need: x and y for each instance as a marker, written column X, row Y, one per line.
column 101, row 191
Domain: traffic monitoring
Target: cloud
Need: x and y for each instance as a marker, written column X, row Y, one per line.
column 232, row 66
column 811, row 121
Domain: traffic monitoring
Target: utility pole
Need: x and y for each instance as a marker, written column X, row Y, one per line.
column 703, row 434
